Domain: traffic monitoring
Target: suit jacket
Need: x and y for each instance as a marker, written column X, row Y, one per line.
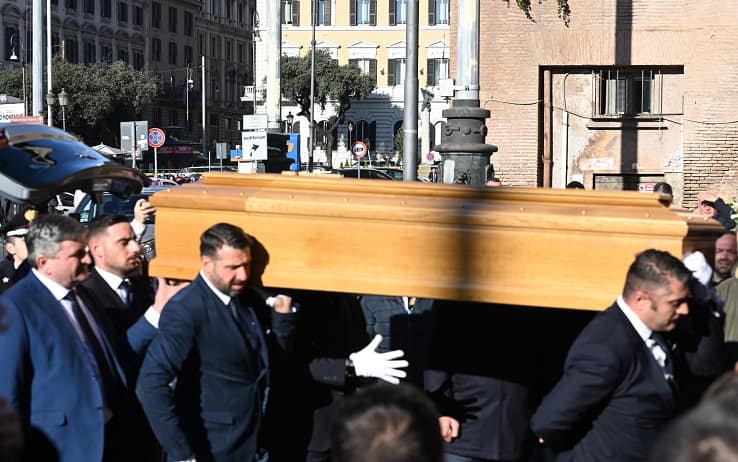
column 47, row 375
column 215, row 409
column 482, row 373
column 612, row 400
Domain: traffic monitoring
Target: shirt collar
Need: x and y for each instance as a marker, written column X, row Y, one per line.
column 113, row 280
column 225, row 298
column 643, row 331
column 57, row 290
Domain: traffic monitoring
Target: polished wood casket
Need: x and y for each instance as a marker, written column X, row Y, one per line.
column 518, row 246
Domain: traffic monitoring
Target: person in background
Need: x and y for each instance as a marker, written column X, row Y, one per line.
column 710, row 205
column 15, row 267
column 575, row 185
column 664, row 188
column 726, row 255
column 387, row 423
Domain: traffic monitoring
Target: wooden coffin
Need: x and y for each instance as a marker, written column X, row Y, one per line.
column 520, row 246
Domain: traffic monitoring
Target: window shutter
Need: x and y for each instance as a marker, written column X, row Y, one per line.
column 372, row 12
column 392, row 8
column 390, row 72
column 430, row 72
column 352, row 12
column 296, row 12
column 431, row 12
column 373, row 70
column 327, row 12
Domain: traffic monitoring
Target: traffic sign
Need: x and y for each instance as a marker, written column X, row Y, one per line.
column 156, row 137
column 359, row 149
column 254, row 145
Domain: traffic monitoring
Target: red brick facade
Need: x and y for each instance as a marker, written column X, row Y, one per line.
column 533, row 72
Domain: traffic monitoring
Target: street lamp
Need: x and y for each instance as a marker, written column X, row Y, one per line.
column 63, row 102
column 188, row 88
column 14, row 57
column 290, row 118
column 50, row 102
column 350, row 129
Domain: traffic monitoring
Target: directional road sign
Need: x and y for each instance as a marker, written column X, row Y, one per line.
column 254, row 145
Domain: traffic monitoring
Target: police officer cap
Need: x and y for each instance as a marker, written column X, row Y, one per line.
column 18, row 225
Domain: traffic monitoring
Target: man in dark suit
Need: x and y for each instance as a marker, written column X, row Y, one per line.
column 115, row 285
column 619, row 384
column 204, row 381
column 59, row 369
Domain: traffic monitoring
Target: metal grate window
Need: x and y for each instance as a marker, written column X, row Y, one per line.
column 625, row 92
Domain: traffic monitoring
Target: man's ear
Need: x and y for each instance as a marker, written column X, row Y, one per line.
column 41, row 263
column 640, row 299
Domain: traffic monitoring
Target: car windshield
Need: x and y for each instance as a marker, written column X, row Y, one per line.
column 111, row 204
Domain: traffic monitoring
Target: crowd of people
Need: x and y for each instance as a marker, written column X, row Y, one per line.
column 102, row 363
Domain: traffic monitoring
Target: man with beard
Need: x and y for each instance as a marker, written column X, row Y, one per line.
column 204, row 381
column 725, row 257
column 620, row 381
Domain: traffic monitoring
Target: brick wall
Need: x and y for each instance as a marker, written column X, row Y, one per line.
column 700, row 36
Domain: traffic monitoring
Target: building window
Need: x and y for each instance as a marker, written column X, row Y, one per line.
column 188, row 55
column 90, row 6
column 138, row 60
column 156, row 15
column 397, row 12
column 213, row 47
column 188, row 21
column 90, row 51
column 396, row 72
column 71, row 52
column 625, row 92
column 156, row 116
column 437, row 70
column 106, row 53
column 241, row 53
column 201, row 44
column 323, row 13
column 291, row 12
column 123, row 55
column 173, row 119
column 138, row 16
column 71, row 4
column 437, row 12
column 106, row 8
column 156, row 49
column 122, row 12
column 172, row 53
column 363, row 12
column 172, row 19
column 228, row 51
column 367, row 66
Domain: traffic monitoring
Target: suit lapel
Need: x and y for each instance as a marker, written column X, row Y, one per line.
column 650, row 367
column 221, row 314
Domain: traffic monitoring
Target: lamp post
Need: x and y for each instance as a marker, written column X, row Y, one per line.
column 311, row 142
column 63, row 102
column 14, row 57
column 290, row 118
column 50, row 102
column 188, row 88
column 350, row 129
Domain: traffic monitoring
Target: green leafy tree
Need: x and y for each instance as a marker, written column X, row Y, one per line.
column 101, row 96
column 334, row 84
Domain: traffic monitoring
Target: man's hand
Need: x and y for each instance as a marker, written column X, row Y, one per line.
column 164, row 292
column 280, row 303
column 385, row 366
column 143, row 210
column 449, row 428
column 11, row 432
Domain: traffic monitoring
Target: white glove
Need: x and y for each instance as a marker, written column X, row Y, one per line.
column 385, row 366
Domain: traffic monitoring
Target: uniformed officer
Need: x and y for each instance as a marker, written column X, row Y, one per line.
column 15, row 266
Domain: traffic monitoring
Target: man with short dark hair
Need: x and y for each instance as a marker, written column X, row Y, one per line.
column 215, row 351
column 618, row 387
column 387, row 423
column 59, row 369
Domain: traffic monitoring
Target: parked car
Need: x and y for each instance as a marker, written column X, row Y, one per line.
column 363, row 173
column 88, row 210
column 394, row 172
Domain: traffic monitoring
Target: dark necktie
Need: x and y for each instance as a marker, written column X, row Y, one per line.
column 668, row 367
column 246, row 321
column 112, row 387
column 125, row 287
